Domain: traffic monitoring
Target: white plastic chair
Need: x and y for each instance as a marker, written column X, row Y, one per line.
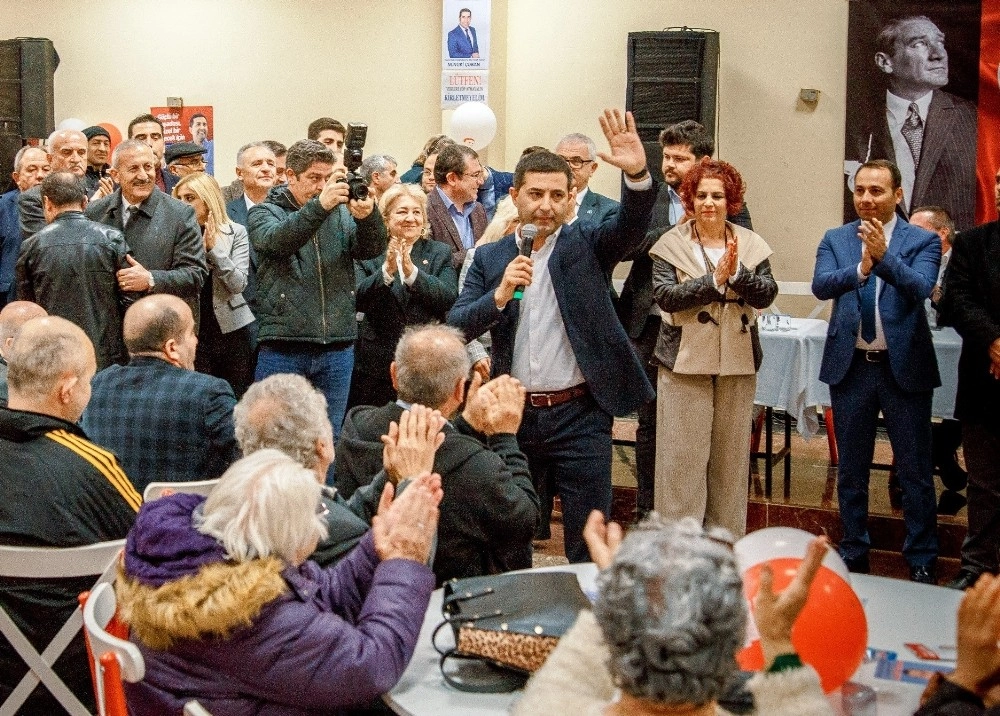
column 193, row 708
column 51, row 563
column 155, row 490
column 113, row 658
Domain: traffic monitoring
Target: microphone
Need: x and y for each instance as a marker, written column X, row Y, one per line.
column 706, row 317
column 528, row 233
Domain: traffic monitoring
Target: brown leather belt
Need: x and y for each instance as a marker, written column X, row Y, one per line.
column 872, row 356
column 558, row 397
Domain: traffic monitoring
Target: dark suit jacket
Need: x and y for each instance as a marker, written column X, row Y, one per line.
column 30, row 213
column 459, row 46
column 390, row 309
column 165, row 424
column 946, row 174
column 584, row 255
column 490, row 509
column 237, row 211
column 10, row 240
column 443, row 227
column 596, row 207
column 971, row 303
column 165, row 239
column 637, row 294
column 908, row 271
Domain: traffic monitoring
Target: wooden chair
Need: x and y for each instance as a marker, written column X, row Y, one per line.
column 112, row 656
column 51, row 563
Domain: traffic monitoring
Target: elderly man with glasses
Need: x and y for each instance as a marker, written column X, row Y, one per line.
column 580, row 153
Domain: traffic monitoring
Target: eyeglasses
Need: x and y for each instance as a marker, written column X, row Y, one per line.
column 475, row 175
column 191, row 163
column 576, row 162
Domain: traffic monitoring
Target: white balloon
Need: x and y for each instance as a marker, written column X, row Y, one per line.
column 72, row 123
column 474, row 124
column 777, row 542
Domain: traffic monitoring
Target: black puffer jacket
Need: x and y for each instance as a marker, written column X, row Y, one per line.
column 305, row 280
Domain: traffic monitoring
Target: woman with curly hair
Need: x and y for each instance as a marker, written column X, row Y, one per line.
column 709, row 277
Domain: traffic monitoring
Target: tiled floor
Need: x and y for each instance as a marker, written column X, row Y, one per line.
column 810, row 503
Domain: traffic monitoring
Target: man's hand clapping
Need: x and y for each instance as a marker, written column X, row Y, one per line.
column 404, row 528
column 409, row 447
column 496, row 407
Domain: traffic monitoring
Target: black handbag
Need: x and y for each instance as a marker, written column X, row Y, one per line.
column 510, row 622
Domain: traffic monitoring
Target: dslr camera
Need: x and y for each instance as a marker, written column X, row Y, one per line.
column 354, row 144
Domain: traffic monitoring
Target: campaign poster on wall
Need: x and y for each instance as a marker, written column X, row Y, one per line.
column 189, row 124
column 465, row 51
column 915, row 96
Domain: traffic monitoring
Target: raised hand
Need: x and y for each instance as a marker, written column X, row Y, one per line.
column 602, row 538
column 627, row 152
column 409, row 447
column 404, row 527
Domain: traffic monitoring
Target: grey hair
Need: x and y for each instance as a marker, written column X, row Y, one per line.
column 248, row 146
column 375, row 163
column 19, row 157
column 129, row 145
column 577, row 138
column 44, row 351
column 282, row 412
column 430, row 359
column 672, row 611
column 264, row 505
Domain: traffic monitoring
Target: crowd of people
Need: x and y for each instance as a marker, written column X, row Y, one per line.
column 393, row 388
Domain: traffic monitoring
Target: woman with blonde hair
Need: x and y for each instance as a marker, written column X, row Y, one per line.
column 224, row 343
column 413, row 282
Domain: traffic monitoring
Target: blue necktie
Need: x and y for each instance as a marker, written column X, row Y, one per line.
column 868, row 310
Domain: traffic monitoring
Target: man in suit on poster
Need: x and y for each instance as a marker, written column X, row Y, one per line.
column 562, row 339
column 462, row 41
column 928, row 133
column 879, row 358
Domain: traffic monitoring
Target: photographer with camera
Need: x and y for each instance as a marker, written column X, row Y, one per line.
column 307, row 235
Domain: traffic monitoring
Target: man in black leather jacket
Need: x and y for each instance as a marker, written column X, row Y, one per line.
column 69, row 267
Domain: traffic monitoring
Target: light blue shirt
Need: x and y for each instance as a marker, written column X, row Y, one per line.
column 462, row 219
column 676, row 206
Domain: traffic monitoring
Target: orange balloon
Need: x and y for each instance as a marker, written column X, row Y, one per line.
column 116, row 135
column 831, row 632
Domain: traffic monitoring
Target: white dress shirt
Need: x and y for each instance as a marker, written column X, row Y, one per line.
column 896, row 109
column 879, row 343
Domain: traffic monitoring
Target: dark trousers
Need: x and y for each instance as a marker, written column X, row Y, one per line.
column 226, row 355
column 981, row 444
column 645, row 433
column 867, row 389
column 569, row 446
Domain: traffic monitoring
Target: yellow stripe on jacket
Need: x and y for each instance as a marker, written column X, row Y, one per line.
column 104, row 461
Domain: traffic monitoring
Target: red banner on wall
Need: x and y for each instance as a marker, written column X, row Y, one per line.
column 988, row 155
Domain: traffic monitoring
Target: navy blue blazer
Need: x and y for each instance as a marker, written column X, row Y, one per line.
column 596, row 207
column 908, row 271
column 584, row 256
column 459, row 46
column 10, row 239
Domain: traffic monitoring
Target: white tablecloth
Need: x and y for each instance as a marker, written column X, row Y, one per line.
column 896, row 611
column 789, row 374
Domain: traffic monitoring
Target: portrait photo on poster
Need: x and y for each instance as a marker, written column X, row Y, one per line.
column 191, row 125
column 912, row 91
column 465, row 26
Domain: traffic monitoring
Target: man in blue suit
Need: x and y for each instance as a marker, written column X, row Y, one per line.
column 879, row 357
column 462, row 42
column 562, row 339
column 580, row 153
column 31, row 165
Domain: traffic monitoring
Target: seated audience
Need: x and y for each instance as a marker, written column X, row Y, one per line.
column 226, row 609
column 224, row 331
column 490, row 509
column 70, row 267
column 669, row 618
column 412, row 283
column 164, row 421
column 60, row 490
column 284, row 412
column 12, row 318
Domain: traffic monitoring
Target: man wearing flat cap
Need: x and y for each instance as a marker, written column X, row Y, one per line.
column 98, row 159
column 185, row 158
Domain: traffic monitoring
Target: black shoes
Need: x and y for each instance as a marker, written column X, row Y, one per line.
column 924, row 574
column 965, row 579
column 858, row 565
column 953, row 476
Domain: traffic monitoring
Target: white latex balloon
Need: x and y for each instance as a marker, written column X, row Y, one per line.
column 776, row 542
column 72, row 123
column 474, row 124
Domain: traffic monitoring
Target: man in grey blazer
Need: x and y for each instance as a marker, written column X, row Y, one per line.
column 166, row 250
column 580, row 153
column 455, row 217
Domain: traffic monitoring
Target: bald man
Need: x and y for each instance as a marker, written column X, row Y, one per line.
column 12, row 317
column 64, row 492
column 67, row 153
column 166, row 422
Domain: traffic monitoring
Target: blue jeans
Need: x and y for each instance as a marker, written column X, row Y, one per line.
column 329, row 369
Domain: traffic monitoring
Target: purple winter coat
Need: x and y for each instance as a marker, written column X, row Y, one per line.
column 329, row 640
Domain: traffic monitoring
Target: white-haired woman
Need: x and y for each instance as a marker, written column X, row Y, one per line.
column 669, row 618
column 225, row 609
column 224, row 341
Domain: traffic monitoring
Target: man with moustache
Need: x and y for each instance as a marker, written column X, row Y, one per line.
column 166, row 250
column 879, row 358
column 67, row 152
column 31, row 165
column 971, row 303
